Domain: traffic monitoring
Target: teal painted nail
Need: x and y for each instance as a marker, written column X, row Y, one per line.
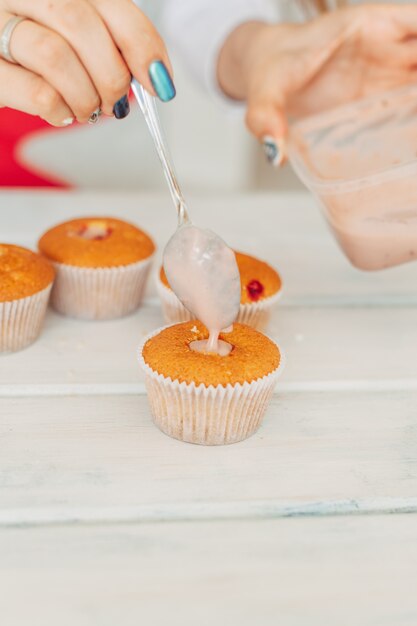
column 274, row 150
column 161, row 81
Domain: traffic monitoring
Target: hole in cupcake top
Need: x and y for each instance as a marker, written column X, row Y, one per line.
column 255, row 290
column 200, row 345
column 97, row 230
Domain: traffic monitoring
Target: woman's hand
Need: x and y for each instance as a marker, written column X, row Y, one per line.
column 75, row 56
column 285, row 71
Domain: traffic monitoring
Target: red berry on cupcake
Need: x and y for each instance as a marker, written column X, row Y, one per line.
column 255, row 290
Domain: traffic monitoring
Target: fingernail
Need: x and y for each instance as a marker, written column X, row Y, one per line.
column 161, row 81
column 67, row 121
column 274, row 150
column 122, row 108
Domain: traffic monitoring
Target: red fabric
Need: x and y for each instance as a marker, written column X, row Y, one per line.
column 16, row 127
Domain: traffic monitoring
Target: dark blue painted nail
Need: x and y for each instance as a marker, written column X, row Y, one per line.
column 273, row 151
column 122, row 108
column 161, row 81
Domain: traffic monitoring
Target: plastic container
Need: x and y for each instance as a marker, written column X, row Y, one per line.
column 360, row 162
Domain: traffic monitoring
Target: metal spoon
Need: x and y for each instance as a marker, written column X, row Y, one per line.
column 200, row 267
column 147, row 106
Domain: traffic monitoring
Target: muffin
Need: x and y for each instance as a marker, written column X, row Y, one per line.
column 25, row 284
column 261, row 288
column 206, row 398
column 101, row 264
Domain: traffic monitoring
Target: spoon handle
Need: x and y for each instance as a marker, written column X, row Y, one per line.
column 148, row 107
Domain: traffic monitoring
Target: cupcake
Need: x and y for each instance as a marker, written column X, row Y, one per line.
column 25, row 284
column 101, row 266
column 206, row 398
column 261, row 288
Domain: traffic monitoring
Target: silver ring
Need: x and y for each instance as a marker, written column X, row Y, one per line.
column 94, row 117
column 6, row 35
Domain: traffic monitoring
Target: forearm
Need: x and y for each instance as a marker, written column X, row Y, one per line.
column 232, row 64
column 250, row 51
column 197, row 30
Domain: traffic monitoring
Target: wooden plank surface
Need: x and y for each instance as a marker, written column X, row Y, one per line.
column 268, row 531
column 297, row 572
column 326, row 348
column 101, row 458
column 286, row 229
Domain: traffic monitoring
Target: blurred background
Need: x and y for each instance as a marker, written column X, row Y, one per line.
column 212, row 150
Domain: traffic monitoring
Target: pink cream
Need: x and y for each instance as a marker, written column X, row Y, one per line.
column 360, row 161
column 203, row 273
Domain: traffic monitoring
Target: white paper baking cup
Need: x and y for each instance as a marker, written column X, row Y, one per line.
column 21, row 320
column 214, row 415
column 255, row 314
column 101, row 293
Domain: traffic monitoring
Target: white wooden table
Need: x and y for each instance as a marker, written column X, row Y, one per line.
column 105, row 521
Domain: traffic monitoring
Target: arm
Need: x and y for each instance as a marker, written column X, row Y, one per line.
column 197, row 30
column 292, row 70
column 279, row 71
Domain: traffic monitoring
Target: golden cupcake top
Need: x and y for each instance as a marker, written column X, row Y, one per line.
column 22, row 272
column 252, row 356
column 96, row 242
column 258, row 279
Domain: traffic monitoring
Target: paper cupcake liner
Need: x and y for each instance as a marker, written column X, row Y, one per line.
column 99, row 293
column 173, row 310
column 258, row 314
column 255, row 314
column 214, row 415
column 21, row 320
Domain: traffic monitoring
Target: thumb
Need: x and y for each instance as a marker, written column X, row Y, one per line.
column 266, row 120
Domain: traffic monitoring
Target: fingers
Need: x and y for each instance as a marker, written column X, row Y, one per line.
column 404, row 15
column 140, row 45
column 47, row 54
column 391, row 33
column 405, row 54
column 265, row 118
column 279, row 76
column 24, row 91
column 78, row 22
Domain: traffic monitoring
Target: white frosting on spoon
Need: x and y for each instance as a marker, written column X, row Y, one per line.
column 203, row 273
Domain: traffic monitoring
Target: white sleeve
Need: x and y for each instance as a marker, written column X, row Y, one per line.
column 197, row 29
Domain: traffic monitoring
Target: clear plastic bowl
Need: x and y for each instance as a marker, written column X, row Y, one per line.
column 360, row 161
